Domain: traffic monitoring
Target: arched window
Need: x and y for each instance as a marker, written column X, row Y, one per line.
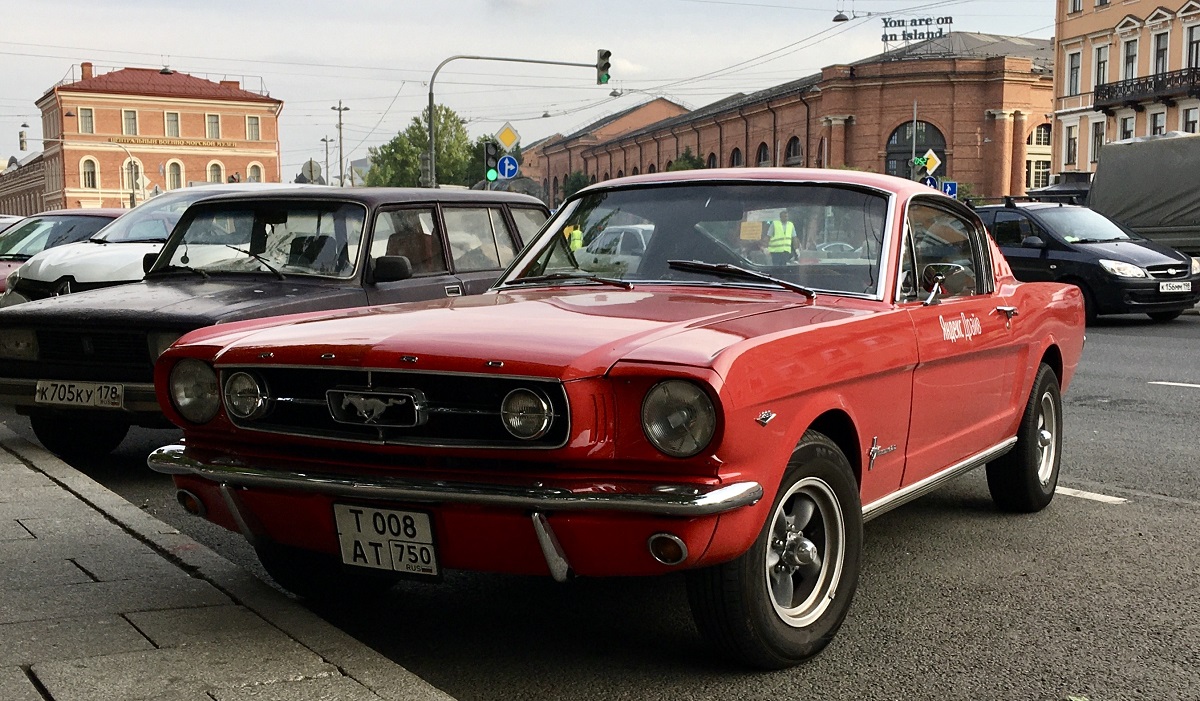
column 620, row 173
column 606, row 175
column 174, row 176
column 254, row 173
column 900, row 148
column 634, row 171
column 793, row 155
column 712, row 161
column 651, row 169
column 668, row 165
column 1040, row 136
column 763, row 157
column 821, row 148
column 554, row 192
column 545, row 185
column 593, row 178
column 87, row 174
column 214, row 173
column 735, row 158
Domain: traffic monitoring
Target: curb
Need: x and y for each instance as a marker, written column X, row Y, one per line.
column 366, row 666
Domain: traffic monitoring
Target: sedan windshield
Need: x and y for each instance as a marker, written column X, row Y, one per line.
column 1082, row 225
column 36, row 234
column 815, row 237
column 152, row 220
column 273, row 236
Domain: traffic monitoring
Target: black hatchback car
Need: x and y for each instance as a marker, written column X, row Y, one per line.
column 81, row 366
column 1118, row 271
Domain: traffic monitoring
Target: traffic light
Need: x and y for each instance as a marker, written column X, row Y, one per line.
column 491, row 160
column 602, row 65
column 21, row 139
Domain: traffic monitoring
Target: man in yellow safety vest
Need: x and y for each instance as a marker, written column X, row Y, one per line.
column 574, row 236
column 780, row 239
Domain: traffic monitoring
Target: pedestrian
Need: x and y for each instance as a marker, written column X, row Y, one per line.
column 780, row 239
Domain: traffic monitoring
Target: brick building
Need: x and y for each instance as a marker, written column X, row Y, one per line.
column 983, row 105
column 1124, row 69
column 22, row 185
column 119, row 136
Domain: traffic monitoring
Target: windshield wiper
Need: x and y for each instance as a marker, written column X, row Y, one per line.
column 736, row 271
column 260, row 259
column 552, row 277
column 179, row 269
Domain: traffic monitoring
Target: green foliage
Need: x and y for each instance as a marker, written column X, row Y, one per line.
column 687, row 161
column 574, row 183
column 397, row 163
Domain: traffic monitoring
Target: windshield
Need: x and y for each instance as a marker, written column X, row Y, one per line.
column 1080, row 224
column 292, row 237
column 824, row 237
column 36, row 234
column 152, row 220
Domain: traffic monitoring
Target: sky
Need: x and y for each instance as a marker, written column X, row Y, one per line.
column 378, row 56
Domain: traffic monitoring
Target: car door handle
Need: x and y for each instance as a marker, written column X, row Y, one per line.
column 453, row 291
column 1009, row 313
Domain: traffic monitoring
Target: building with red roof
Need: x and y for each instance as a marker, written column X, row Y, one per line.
column 114, row 139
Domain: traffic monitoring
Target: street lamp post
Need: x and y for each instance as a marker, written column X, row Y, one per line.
column 341, row 155
column 326, row 140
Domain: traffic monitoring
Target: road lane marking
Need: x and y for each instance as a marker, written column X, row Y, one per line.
column 1176, row 384
column 1103, row 498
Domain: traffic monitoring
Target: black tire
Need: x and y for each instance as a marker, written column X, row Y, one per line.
column 747, row 608
column 318, row 577
column 1165, row 316
column 1089, row 302
column 1023, row 479
column 76, row 436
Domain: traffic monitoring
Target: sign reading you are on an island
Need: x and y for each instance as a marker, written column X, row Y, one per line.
column 915, row 28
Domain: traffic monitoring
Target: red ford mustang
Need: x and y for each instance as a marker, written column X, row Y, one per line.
column 732, row 396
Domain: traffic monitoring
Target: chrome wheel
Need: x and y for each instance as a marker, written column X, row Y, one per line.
column 1047, row 445
column 806, row 552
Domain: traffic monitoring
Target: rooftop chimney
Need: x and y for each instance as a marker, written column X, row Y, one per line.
column 85, row 70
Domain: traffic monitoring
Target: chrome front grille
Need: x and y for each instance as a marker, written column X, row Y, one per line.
column 1169, row 271
column 397, row 407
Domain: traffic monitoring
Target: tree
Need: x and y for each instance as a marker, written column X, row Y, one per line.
column 574, row 183
column 687, row 161
column 397, row 163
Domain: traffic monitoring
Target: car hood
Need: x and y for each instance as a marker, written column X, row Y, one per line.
column 1139, row 252
column 90, row 262
column 568, row 335
column 185, row 303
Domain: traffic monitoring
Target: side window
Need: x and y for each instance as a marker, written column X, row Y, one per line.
column 479, row 239
column 944, row 244
column 529, row 221
column 631, row 244
column 410, row 233
column 1011, row 228
column 606, row 244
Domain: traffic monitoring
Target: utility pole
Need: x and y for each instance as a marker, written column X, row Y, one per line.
column 326, row 140
column 341, row 154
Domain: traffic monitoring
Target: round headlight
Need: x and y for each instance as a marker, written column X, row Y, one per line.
column 194, row 390
column 525, row 414
column 245, row 398
column 678, row 418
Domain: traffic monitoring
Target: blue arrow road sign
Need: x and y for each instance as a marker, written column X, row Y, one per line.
column 930, row 181
column 507, row 167
column 950, row 187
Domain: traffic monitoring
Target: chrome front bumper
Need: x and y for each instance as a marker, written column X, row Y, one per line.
column 682, row 500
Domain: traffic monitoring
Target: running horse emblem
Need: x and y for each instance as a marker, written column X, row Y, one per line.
column 370, row 409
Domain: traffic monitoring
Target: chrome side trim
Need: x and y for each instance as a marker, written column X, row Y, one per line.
column 556, row 558
column 683, row 500
column 919, row 489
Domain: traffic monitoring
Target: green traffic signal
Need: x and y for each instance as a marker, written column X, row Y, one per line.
column 603, row 63
column 492, row 175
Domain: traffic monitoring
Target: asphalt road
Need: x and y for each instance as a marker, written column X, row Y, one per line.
column 1086, row 599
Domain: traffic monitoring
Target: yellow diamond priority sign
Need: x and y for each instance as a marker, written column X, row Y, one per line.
column 507, row 136
column 931, row 162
